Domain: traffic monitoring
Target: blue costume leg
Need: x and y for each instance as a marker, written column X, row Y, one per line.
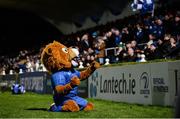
column 58, row 103
column 80, row 101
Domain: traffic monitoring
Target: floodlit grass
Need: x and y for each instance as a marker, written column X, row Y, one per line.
column 31, row 105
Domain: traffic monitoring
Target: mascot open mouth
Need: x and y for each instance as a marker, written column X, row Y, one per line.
column 73, row 52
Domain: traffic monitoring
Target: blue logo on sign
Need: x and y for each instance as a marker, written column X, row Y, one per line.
column 145, row 84
column 94, row 84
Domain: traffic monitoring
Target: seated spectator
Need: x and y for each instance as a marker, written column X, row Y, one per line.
column 152, row 52
column 173, row 42
column 130, row 56
column 135, row 47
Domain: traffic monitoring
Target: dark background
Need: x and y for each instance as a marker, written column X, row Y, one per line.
column 24, row 24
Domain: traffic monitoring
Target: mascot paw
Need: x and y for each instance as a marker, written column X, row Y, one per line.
column 75, row 81
column 95, row 65
column 70, row 106
column 89, row 107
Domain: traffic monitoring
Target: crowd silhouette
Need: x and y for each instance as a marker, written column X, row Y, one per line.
column 136, row 38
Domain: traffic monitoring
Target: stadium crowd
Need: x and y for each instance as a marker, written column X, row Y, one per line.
column 136, row 38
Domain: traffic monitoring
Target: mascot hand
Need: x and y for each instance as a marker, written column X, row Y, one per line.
column 94, row 65
column 75, row 81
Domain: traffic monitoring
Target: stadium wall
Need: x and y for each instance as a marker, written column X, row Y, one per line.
column 149, row 83
column 38, row 82
column 145, row 83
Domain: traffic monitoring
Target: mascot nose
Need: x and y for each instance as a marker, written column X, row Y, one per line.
column 74, row 52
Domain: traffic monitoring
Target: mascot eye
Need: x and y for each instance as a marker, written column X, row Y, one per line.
column 65, row 50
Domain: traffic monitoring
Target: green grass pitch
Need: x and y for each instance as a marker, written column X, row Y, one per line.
column 31, row 105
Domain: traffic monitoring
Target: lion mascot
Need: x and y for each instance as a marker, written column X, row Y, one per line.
column 65, row 79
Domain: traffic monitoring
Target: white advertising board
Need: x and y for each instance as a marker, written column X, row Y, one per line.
column 142, row 83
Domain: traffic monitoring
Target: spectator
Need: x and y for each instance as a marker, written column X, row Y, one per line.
column 117, row 37
column 125, row 35
column 100, row 46
column 130, row 56
column 151, row 52
column 158, row 28
column 135, row 47
column 109, row 40
column 139, row 34
column 85, row 43
column 176, row 25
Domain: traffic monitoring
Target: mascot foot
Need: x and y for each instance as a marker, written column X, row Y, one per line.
column 53, row 108
column 70, row 106
column 89, row 107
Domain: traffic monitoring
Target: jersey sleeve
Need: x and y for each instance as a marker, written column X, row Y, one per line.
column 76, row 73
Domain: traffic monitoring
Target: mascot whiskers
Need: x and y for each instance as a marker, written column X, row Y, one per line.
column 65, row 79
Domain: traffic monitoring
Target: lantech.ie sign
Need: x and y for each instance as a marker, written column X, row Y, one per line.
column 151, row 83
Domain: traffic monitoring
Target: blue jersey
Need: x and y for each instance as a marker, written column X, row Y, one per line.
column 63, row 78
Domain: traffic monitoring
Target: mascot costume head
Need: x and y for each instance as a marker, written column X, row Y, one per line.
column 65, row 79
